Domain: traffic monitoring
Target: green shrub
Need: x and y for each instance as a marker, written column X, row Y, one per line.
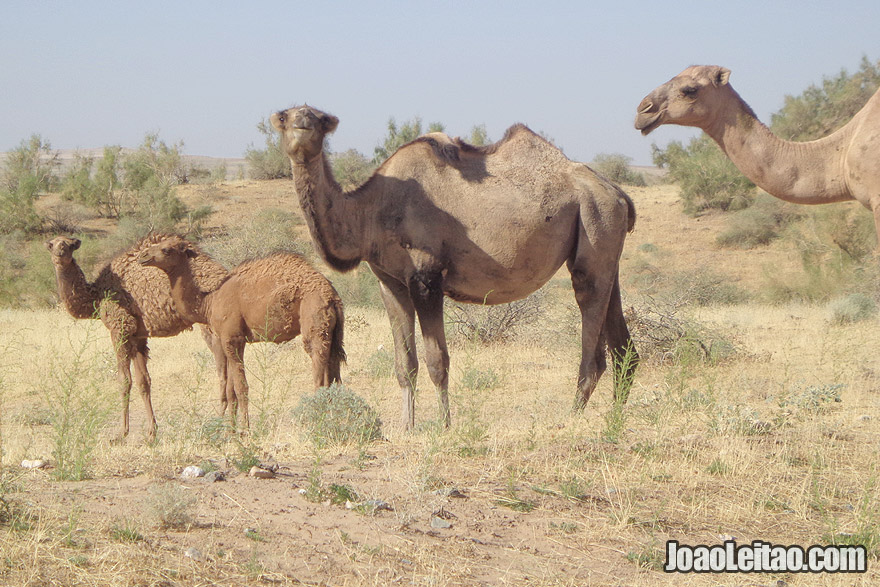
column 399, row 136
column 28, row 171
column 27, row 277
column 819, row 110
column 835, row 244
column 337, row 415
column 33, row 162
column 616, row 167
column 852, row 308
column 351, row 168
column 271, row 162
column 359, row 288
column 759, row 224
column 267, row 231
column 707, row 177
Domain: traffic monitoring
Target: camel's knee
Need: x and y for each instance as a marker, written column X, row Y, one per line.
column 426, row 290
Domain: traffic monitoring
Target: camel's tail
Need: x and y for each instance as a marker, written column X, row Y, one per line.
column 337, row 351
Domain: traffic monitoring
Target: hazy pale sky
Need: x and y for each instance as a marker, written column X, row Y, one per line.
column 90, row 74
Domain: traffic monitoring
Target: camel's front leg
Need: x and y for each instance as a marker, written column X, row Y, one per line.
column 406, row 363
column 227, row 391
column 426, row 292
column 142, row 377
column 122, row 327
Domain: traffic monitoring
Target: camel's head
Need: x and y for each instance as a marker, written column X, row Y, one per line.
column 691, row 98
column 167, row 254
column 62, row 247
column 303, row 129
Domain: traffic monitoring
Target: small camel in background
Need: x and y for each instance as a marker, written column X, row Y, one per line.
column 271, row 299
column 134, row 303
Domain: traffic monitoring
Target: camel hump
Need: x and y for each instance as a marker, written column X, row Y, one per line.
column 444, row 148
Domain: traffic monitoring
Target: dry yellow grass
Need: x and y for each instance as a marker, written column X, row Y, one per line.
column 778, row 443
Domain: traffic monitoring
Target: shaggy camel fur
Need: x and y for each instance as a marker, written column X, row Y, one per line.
column 481, row 225
column 270, row 299
column 134, row 303
column 844, row 165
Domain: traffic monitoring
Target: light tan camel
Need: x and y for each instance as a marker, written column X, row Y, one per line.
column 485, row 225
column 844, row 165
column 134, row 303
column 269, row 299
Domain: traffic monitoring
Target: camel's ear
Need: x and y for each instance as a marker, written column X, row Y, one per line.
column 190, row 252
column 76, row 244
column 329, row 123
column 49, row 244
column 721, row 76
column 278, row 119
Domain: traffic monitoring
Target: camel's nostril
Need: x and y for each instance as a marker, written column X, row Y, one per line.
column 646, row 107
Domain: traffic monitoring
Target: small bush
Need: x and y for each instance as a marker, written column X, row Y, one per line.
column 351, row 168
column 267, row 231
column 813, row 399
column 170, row 505
column 359, row 288
column 337, row 415
column 494, row 324
column 707, row 177
column 380, row 364
column 662, row 333
column 616, row 167
column 852, row 308
column 759, row 224
column 271, row 162
column 706, row 288
column 28, row 171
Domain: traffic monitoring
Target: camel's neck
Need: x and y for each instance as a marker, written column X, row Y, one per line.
column 77, row 294
column 334, row 219
column 189, row 301
column 799, row 172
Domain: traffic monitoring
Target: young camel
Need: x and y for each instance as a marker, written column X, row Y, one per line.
column 134, row 303
column 484, row 225
column 270, row 299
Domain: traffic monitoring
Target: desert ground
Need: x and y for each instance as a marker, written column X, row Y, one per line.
column 766, row 430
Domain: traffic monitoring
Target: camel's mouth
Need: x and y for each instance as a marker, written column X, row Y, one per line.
column 647, row 123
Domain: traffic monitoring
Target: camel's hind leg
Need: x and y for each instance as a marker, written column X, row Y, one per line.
column 592, row 294
column 594, row 268
column 317, row 322
column 123, row 375
column 401, row 314
column 624, row 356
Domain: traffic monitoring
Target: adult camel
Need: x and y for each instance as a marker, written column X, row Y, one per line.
column 484, row 225
column 844, row 165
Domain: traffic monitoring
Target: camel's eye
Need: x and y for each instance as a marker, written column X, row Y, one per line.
column 689, row 91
